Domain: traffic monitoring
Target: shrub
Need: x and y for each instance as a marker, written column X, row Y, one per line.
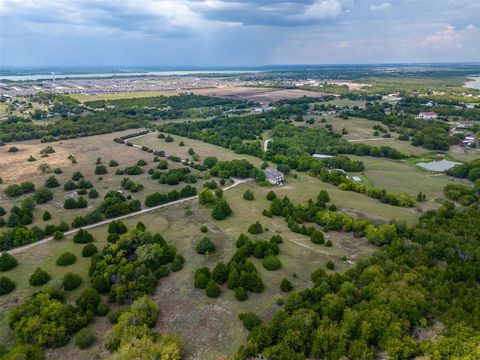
column 63, row 226
column 205, row 246
column 77, row 175
column 58, row 235
column 42, row 196
column 169, row 139
column 69, row 185
column 330, row 265
column 88, row 299
column 57, row 171
column 255, row 228
column 272, row 263
column 46, row 216
column 52, row 182
column 201, row 280
column 117, row 227
column 286, row 285
column 220, row 273
column 112, row 163
column 221, row 210
column 71, row 281
column 66, row 259
column 323, row 196
column 241, row 294
column 93, row 194
column 177, row 263
column 249, row 320
column 100, row 170
column 248, row 195
column 102, row 309
column 6, row 285
column 84, row 338
column 7, row 262
column 317, row 237
column 89, row 250
column 328, row 243
column 271, row 195
column 141, row 162
column 276, row 239
column 212, row 289
column 82, row 237
column 204, row 228
column 39, row 277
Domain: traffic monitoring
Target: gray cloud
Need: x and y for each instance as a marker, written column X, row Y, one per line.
column 236, row 32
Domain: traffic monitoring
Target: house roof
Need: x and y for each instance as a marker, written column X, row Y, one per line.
column 273, row 172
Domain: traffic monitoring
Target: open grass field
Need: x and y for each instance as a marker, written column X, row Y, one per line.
column 403, row 176
column 123, row 95
column 185, row 309
column 15, row 168
column 201, row 148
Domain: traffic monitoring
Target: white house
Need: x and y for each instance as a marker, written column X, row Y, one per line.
column 429, row 115
column 274, row 176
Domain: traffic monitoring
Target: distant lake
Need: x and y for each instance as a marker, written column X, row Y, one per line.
column 474, row 82
column 60, row 76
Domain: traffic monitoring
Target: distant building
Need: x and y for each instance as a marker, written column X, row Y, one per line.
column 322, row 156
column 429, row 115
column 274, row 176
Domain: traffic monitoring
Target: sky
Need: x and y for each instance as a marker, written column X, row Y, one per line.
column 236, row 32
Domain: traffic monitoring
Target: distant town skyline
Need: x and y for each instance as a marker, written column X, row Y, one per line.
column 237, row 33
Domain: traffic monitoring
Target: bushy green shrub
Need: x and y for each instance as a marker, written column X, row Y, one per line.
column 7, row 262
column 272, row 263
column 271, row 195
column 241, row 294
column 84, row 338
column 221, row 210
column 6, row 285
column 248, row 195
column 66, row 259
column 255, row 228
column 205, row 246
column 46, row 216
column 330, row 265
column 82, row 237
column 286, row 285
column 89, row 250
column 317, row 237
column 249, row 320
column 203, row 228
column 71, row 281
column 212, row 289
column 39, row 277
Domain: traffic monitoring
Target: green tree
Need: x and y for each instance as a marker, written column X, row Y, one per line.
column 212, row 289
column 205, row 246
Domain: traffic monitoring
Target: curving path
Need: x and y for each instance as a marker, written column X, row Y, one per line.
column 105, row 222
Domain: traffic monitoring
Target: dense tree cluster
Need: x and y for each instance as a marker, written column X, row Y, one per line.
column 158, row 198
column 469, row 170
column 140, row 257
column 426, row 275
column 130, row 185
column 174, row 176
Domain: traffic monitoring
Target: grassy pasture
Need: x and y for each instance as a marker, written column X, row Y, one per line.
column 15, row 168
column 184, row 309
column 201, row 148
